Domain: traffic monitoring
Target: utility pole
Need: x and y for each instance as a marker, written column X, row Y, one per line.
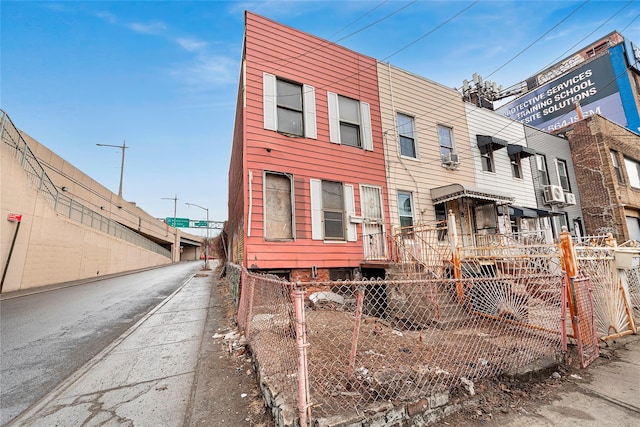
column 123, row 147
column 206, row 246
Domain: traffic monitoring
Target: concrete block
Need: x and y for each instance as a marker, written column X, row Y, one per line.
column 451, row 409
column 396, row 414
column 418, row 407
column 433, row 416
column 339, row 421
column 376, row 422
column 439, row 399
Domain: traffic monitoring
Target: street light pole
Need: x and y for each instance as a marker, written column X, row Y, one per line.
column 123, row 147
column 175, row 210
column 206, row 246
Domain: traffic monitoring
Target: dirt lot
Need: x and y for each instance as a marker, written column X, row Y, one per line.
column 225, row 392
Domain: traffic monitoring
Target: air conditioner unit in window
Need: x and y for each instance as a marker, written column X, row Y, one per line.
column 553, row 194
column 450, row 160
column 570, row 198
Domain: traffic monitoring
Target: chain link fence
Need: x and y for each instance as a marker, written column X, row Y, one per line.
column 613, row 281
column 371, row 341
column 442, row 319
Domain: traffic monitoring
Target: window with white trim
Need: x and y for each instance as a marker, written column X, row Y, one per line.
column 486, row 158
column 332, row 207
column 406, row 135
column 633, row 172
column 278, row 206
column 289, row 107
column 445, row 138
column 405, row 208
column 516, row 166
column 349, row 122
column 541, row 165
column 563, row 175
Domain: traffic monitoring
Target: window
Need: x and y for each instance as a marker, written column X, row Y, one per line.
column 349, row 122
column 278, row 212
column 289, row 102
column 445, row 137
column 486, row 157
column 563, row 175
column 333, row 210
column 616, row 166
column 405, row 209
column 634, row 227
column 289, row 107
column 340, row 274
column 406, row 135
column 633, row 172
column 563, row 222
column 441, row 217
column 332, row 204
column 516, row 167
column 541, row 164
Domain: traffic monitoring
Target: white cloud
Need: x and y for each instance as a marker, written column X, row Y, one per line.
column 107, row 16
column 192, row 45
column 207, row 72
column 153, row 28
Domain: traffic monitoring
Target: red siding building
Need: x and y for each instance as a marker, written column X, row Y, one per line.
column 307, row 185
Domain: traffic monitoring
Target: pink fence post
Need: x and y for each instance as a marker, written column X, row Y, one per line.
column 251, row 281
column 356, row 331
column 304, row 405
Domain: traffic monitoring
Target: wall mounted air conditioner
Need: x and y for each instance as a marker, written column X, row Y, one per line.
column 570, row 198
column 450, row 160
column 553, row 194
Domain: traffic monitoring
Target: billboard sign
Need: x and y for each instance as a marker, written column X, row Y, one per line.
column 552, row 105
column 594, row 49
column 633, row 54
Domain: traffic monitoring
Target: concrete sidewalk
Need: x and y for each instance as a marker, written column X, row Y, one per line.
column 144, row 378
column 607, row 393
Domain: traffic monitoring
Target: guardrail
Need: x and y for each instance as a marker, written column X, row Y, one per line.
column 61, row 203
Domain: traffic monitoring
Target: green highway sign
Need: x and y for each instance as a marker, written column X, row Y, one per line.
column 179, row 222
column 199, row 224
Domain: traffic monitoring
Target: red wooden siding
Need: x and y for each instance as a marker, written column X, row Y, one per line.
column 302, row 58
column 236, row 176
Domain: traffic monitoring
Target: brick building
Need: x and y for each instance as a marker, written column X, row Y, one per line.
column 606, row 158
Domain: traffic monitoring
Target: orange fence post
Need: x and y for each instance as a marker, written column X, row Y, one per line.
column 455, row 255
column 569, row 264
column 587, row 341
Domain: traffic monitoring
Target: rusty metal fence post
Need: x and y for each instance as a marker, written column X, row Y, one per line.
column 580, row 301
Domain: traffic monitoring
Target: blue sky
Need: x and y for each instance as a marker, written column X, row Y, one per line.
column 163, row 75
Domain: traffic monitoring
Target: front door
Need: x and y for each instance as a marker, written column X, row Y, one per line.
column 373, row 236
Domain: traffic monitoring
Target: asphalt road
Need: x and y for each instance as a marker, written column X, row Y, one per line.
column 47, row 336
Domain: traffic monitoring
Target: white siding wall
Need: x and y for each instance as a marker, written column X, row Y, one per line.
column 485, row 122
column 431, row 104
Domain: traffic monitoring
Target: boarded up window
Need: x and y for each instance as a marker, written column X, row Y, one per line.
column 278, row 215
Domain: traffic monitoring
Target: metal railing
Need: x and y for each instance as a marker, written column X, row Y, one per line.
column 61, row 203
